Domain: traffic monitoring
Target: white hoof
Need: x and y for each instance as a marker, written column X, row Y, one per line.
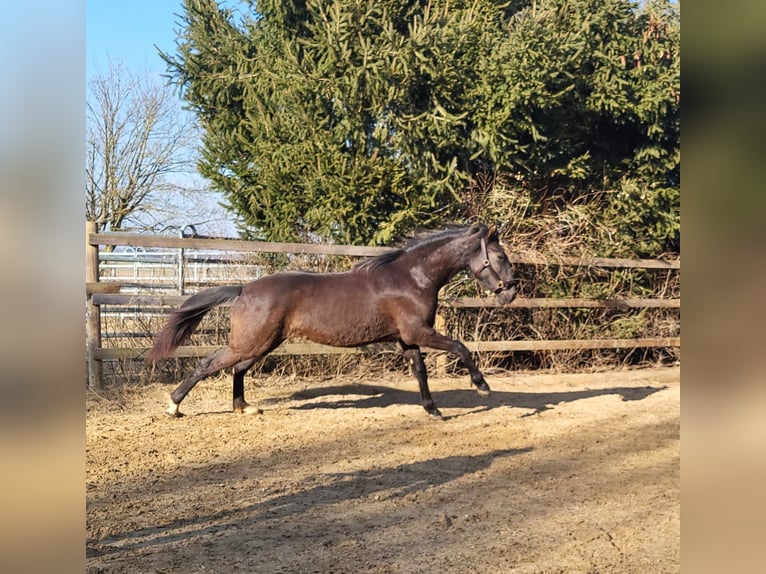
column 247, row 409
column 251, row 410
column 172, row 409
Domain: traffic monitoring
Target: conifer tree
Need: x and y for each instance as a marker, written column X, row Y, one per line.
column 358, row 120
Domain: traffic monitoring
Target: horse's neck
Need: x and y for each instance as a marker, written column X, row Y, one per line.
column 435, row 267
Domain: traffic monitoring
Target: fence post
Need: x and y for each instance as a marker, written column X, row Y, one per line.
column 181, row 264
column 92, row 312
column 440, row 325
column 181, row 271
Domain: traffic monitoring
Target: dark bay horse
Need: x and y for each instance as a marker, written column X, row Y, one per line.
column 391, row 297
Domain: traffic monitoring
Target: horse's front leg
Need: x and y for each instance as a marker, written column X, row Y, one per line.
column 431, row 338
column 413, row 355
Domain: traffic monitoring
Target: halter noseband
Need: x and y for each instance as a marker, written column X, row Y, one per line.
column 486, row 265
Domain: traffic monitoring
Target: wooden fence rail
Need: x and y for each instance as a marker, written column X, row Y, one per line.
column 464, row 302
column 102, row 293
column 138, row 240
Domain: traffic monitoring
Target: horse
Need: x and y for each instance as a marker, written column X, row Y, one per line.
column 391, row 297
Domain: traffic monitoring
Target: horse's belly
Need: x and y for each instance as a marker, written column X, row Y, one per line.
column 343, row 328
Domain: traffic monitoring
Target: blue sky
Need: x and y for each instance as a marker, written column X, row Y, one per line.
column 128, row 32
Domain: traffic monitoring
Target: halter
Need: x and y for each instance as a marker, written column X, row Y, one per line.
column 486, row 265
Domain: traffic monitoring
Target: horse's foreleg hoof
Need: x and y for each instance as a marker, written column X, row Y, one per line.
column 482, row 388
column 435, row 414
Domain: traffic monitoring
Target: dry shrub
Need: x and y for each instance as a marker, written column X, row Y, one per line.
column 549, row 226
column 542, row 229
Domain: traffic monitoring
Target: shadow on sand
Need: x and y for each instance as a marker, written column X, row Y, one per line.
column 363, row 396
column 336, row 488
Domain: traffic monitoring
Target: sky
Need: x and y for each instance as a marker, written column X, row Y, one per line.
column 129, row 34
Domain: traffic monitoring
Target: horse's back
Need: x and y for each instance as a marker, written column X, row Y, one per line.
column 341, row 309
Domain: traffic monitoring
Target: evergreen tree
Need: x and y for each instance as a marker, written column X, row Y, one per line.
column 584, row 90
column 357, row 120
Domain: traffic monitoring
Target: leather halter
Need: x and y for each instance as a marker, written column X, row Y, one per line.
column 486, row 265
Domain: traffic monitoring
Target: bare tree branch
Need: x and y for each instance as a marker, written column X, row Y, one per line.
column 137, row 136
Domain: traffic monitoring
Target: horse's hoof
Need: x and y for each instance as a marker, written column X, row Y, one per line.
column 243, row 408
column 172, row 410
column 482, row 388
column 435, row 415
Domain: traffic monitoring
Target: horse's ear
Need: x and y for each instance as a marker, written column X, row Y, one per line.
column 492, row 233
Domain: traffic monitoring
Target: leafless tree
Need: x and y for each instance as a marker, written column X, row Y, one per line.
column 139, row 143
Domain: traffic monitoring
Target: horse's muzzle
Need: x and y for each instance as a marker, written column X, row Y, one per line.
column 505, row 296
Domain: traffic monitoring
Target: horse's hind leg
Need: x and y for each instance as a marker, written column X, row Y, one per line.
column 239, row 404
column 220, row 359
column 413, row 355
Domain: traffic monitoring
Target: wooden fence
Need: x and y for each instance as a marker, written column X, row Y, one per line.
column 100, row 293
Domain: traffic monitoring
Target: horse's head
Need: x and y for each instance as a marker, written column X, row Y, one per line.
column 490, row 265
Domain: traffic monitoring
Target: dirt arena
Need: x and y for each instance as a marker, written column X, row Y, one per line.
column 551, row 474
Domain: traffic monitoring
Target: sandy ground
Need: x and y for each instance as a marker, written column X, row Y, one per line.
column 551, row 474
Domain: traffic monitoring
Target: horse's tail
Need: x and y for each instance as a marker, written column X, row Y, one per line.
column 187, row 317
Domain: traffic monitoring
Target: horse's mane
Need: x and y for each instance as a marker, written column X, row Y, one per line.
column 372, row 263
column 410, row 244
